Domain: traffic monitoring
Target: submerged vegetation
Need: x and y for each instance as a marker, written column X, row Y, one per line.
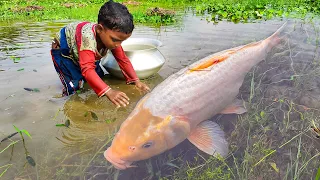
column 159, row 11
column 29, row 159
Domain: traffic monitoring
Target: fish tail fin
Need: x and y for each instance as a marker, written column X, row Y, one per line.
column 275, row 38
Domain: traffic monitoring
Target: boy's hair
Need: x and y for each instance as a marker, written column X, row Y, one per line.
column 114, row 15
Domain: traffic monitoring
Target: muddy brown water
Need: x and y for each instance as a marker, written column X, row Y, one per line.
column 76, row 152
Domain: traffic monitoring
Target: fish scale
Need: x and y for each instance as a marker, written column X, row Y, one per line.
column 206, row 87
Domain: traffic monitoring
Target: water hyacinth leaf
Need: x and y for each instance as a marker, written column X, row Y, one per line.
column 30, row 160
column 274, row 166
column 94, row 116
column 59, row 125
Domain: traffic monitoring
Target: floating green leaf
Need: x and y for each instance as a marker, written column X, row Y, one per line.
column 59, row 125
column 22, row 131
column 15, row 59
column 20, row 69
column 86, row 114
column 26, row 132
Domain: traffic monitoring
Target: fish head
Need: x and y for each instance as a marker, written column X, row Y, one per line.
column 143, row 135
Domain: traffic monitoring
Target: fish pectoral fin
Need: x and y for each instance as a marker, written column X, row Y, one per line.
column 209, row 138
column 236, row 107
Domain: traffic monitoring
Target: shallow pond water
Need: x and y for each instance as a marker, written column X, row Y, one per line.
column 290, row 74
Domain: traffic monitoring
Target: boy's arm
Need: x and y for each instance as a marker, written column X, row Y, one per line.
column 125, row 65
column 87, row 65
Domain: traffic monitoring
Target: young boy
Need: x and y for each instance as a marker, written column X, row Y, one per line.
column 78, row 47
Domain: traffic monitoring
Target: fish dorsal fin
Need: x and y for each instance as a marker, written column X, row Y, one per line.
column 205, row 66
column 209, row 138
column 208, row 64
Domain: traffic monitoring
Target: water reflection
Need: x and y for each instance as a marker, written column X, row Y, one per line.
column 96, row 116
column 16, row 38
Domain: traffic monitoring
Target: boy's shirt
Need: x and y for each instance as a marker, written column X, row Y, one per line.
column 81, row 40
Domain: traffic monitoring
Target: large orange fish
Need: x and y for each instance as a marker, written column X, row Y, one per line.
column 180, row 106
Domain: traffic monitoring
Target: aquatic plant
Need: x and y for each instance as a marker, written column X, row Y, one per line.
column 246, row 11
column 29, row 159
column 161, row 11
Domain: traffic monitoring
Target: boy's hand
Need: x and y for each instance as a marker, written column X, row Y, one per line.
column 142, row 87
column 118, row 98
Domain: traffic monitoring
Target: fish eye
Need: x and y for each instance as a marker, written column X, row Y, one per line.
column 147, row 145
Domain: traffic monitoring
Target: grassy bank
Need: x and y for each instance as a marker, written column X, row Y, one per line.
column 143, row 11
column 158, row 11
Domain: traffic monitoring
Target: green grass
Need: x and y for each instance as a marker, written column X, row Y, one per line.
column 216, row 10
column 250, row 10
column 81, row 10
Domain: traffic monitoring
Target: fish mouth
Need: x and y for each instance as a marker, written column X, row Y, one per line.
column 117, row 162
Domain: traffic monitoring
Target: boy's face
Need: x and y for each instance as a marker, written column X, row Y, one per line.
column 111, row 38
